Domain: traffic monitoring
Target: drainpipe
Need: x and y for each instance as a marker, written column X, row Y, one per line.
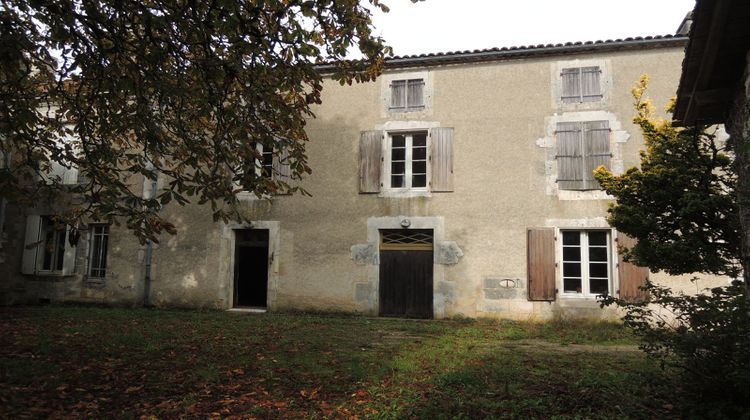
column 149, row 254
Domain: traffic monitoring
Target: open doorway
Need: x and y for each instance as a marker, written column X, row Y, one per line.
column 251, row 268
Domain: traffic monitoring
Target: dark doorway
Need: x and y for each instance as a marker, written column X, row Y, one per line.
column 406, row 273
column 251, row 268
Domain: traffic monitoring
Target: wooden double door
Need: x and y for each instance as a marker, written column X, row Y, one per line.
column 406, row 269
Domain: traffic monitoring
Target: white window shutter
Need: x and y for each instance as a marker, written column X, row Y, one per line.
column 70, row 176
column 32, row 244
column 370, row 153
column 69, row 260
column 596, row 150
column 415, row 95
column 282, row 170
column 398, row 94
column 569, row 156
column 590, row 87
column 571, row 85
column 442, row 159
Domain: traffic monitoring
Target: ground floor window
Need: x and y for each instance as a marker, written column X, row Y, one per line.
column 586, row 262
column 53, row 237
column 98, row 243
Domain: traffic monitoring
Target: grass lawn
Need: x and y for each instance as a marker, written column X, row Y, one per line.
column 82, row 361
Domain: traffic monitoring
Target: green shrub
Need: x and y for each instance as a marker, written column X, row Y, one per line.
column 705, row 337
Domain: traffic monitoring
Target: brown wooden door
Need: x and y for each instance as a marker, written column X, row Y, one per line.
column 406, row 275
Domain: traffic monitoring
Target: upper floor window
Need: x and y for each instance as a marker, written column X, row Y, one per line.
column 582, row 146
column 404, row 161
column 98, row 247
column 408, row 160
column 407, row 95
column 264, row 161
column 581, row 84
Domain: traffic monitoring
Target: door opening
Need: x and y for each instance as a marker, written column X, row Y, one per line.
column 406, row 265
column 251, row 268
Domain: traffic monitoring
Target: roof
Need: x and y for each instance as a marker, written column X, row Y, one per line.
column 714, row 61
column 509, row 53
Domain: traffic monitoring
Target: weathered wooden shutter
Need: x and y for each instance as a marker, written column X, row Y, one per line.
column 442, row 159
column 590, row 87
column 398, row 94
column 541, row 263
column 70, row 176
column 415, row 95
column 31, row 244
column 596, row 151
column 281, row 168
column 569, row 156
column 631, row 275
column 571, row 85
column 69, row 259
column 370, row 150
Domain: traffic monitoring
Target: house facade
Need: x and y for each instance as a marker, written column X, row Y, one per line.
column 456, row 184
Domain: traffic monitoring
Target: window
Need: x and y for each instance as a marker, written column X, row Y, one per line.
column 264, row 161
column 407, row 95
column 98, row 243
column 408, row 160
column 581, row 148
column 65, row 172
column 47, row 250
column 399, row 162
column 581, row 84
column 586, row 262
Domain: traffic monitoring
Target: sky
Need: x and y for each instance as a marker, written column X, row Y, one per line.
column 456, row 25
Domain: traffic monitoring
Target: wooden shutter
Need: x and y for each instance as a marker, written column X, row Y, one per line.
column 70, row 176
column 590, row 87
column 282, row 170
column 631, row 275
column 69, row 259
column 370, row 150
column 571, row 85
column 541, row 263
column 31, row 244
column 596, row 151
column 569, row 156
column 442, row 159
column 415, row 95
column 398, row 94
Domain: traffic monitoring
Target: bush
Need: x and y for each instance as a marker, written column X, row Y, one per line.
column 705, row 337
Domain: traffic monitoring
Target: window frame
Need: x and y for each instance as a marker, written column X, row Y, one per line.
column 103, row 253
column 387, row 174
column 585, row 263
column 59, row 247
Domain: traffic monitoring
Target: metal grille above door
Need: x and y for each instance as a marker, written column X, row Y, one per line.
column 406, row 240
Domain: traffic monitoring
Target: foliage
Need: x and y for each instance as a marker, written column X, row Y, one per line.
column 706, row 337
column 680, row 204
column 187, row 88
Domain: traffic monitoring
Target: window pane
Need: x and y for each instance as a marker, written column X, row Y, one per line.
column 419, row 140
column 398, row 154
column 598, row 253
column 49, row 248
column 398, row 168
column 572, row 285
column 419, row 167
column 571, row 269
column 397, row 181
column 419, row 181
column 598, row 270
column 96, row 247
column 571, row 253
column 398, row 141
column 571, row 238
column 597, row 238
column 599, row 286
column 419, row 153
column 105, row 245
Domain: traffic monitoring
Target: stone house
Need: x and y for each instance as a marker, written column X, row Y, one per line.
column 457, row 184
